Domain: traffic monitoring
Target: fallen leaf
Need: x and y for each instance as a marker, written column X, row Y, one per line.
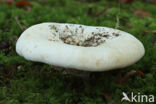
column 140, row 73
column 141, row 13
column 9, row 2
column 125, row 1
column 22, row 3
column 153, row 1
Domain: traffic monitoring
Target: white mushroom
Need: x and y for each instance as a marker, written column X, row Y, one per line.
column 79, row 47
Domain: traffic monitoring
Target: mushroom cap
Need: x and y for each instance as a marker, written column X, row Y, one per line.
column 79, row 47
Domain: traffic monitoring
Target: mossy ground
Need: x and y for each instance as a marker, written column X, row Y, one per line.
column 25, row 82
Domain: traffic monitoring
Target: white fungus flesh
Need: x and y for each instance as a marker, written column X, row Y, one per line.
column 88, row 48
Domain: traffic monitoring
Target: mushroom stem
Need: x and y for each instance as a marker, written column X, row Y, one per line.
column 84, row 75
column 77, row 73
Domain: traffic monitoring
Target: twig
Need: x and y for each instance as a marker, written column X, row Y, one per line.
column 19, row 24
column 128, row 74
column 117, row 22
column 122, row 80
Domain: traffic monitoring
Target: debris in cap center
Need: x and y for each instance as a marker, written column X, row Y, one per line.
column 77, row 37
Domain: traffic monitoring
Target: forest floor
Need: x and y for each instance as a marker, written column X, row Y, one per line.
column 26, row 82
